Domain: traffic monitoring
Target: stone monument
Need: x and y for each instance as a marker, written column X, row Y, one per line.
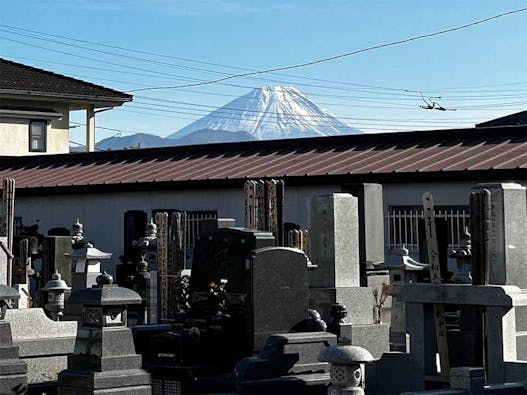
column 334, row 249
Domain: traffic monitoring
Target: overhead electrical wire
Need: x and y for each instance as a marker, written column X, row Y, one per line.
column 347, row 54
column 162, row 55
column 406, row 90
column 385, row 100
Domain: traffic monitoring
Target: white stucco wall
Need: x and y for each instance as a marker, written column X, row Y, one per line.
column 102, row 214
column 14, row 132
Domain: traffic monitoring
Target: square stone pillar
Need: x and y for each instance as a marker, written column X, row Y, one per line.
column 334, row 240
column 508, row 222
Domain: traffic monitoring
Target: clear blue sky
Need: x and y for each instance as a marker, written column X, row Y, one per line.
column 483, row 65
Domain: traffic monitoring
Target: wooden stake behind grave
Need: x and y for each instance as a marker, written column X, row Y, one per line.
column 161, row 220
column 8, row 219
column 435, row 278
column 480, row 214
column 251, row 204
column 264, row 201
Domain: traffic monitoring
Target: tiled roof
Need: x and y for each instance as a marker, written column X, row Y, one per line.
column 17, row 78
column 451, row 154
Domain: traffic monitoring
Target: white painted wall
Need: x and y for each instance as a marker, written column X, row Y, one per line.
column 14, row 132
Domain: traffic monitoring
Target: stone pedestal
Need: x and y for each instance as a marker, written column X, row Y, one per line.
column 13, row 372
column 104, row 360
column 43, row 344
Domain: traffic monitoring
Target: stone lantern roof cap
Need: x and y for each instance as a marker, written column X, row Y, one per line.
column 89, row 253
column 345, row 355
column 105, row 295
column 56, row 283
column 8, row 293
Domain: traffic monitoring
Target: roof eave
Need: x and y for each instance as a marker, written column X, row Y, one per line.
column 75, row 101
column 473, row 176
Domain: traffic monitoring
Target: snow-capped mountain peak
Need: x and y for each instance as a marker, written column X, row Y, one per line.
column 271, row 113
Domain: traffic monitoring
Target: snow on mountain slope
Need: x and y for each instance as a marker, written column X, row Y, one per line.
column 271, row 113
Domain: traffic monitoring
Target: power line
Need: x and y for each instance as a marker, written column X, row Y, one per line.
column 251, row 71
column 227, row 110
column 367, row 98
column 194, row 61
column 347, row 54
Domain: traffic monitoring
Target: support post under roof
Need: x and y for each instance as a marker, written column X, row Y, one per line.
column 90, row 128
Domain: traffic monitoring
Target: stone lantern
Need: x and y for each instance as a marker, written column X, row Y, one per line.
column 86, row 263
column 13, row 371
column 56, row 287
column 347, row 369
column 104, row 359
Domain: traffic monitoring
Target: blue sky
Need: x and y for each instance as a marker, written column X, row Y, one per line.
column 480, row 71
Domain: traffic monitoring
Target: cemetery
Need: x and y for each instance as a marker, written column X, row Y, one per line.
column 268, row 306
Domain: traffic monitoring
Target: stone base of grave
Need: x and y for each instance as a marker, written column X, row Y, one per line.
column 373, row 337
column 359, row 302
column 43, row 344
column 288, row 363
column 13, row 371
column 80, row 382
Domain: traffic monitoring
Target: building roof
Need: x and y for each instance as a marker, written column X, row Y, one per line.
column 18, row 80
column 457, row 154
column 519, row 118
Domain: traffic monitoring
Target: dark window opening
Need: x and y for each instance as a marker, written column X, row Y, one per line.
column 37, row 136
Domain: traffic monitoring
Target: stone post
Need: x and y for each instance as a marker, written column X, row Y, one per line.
column 8, row 218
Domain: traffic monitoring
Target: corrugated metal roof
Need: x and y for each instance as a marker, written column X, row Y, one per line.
column 18, row 78
column 519, row 118
column 402, row 155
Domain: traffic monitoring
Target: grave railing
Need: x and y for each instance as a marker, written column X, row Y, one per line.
column 401, row 223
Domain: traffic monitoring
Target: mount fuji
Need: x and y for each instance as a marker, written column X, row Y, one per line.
column 270, row 113
column 263, row 114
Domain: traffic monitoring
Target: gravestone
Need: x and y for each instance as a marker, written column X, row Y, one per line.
column 55, row 258
column 241, row 291
column 222, row 255
column 278, row 291
column 507, row 246
column 210, row 225
column 334, row 240
column 371, row 225
column 334, row 248
column 134, row 229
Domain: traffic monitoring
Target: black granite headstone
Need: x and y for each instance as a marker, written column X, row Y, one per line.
column 278, row 293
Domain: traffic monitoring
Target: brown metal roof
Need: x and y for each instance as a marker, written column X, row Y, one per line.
column 20, row 79
column 519, row 118
column 450, row 154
